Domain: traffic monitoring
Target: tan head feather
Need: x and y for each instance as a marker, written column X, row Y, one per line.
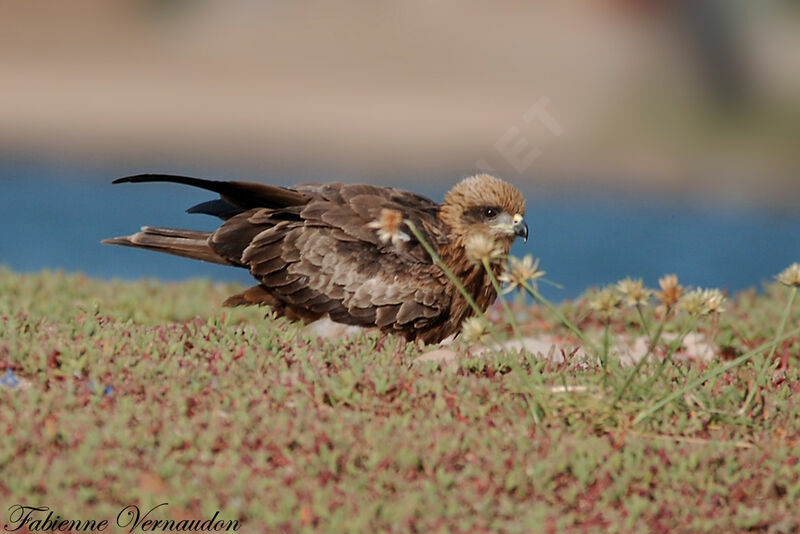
column 464, row 207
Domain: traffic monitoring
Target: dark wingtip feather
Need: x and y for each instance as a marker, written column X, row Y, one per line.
column 245, row 195
column 139, row 178
column 150, row 177
column 217, row 208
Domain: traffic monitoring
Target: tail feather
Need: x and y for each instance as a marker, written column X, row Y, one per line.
column 186, row 243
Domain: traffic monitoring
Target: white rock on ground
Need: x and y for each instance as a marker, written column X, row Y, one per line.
column 695, row 346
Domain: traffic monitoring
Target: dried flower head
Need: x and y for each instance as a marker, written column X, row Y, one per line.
column 693, row 303
column 790, row 276
column 702, row 302
column 481, row 247
column 473, row 329
column 388, row 227
column 605, row 302
column 633, row 292
column 521, row 272
column 671, row 290
column 715, row 301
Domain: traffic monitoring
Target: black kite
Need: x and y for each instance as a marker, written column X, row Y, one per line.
column 345, row 251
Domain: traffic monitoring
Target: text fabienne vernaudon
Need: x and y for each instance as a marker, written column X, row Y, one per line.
column 131, row 519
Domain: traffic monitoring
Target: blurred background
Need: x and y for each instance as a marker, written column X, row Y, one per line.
column 650, row 136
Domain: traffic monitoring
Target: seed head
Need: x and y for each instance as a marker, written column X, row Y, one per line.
column 671, row 290
column 790, row 276
column 388, row 227
column 521, row 272
column 693, row 303
column 481, row 247
column 702, row 302
column 473, row 329
column 605, row 302
column 715, row 301
column 633, row 292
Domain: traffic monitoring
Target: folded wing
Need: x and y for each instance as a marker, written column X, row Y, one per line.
column 322, row 258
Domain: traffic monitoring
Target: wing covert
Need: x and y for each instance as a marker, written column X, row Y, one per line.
column 327, row 260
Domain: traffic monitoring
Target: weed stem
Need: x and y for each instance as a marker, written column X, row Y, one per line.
column 560, row 316
column 510, row 314
column 451, row 275
column 768, row 362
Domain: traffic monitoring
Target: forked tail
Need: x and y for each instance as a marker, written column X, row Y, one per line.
column 186, row 243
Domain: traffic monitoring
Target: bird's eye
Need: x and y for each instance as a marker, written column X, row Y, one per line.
column 489, row 212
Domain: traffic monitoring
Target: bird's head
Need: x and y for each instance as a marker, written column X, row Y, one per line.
column 483, row 204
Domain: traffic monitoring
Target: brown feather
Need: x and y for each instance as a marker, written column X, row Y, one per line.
column 185, row 243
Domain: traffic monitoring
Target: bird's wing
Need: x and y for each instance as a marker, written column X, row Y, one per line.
column 323, row 257
column 235, row 197
column 350, row 208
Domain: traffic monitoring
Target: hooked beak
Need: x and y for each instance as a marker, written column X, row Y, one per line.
column 520, row 227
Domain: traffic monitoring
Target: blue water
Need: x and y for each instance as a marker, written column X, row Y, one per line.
column 55, row 217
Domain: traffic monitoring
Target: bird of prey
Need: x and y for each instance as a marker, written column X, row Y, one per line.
column 345, row 253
